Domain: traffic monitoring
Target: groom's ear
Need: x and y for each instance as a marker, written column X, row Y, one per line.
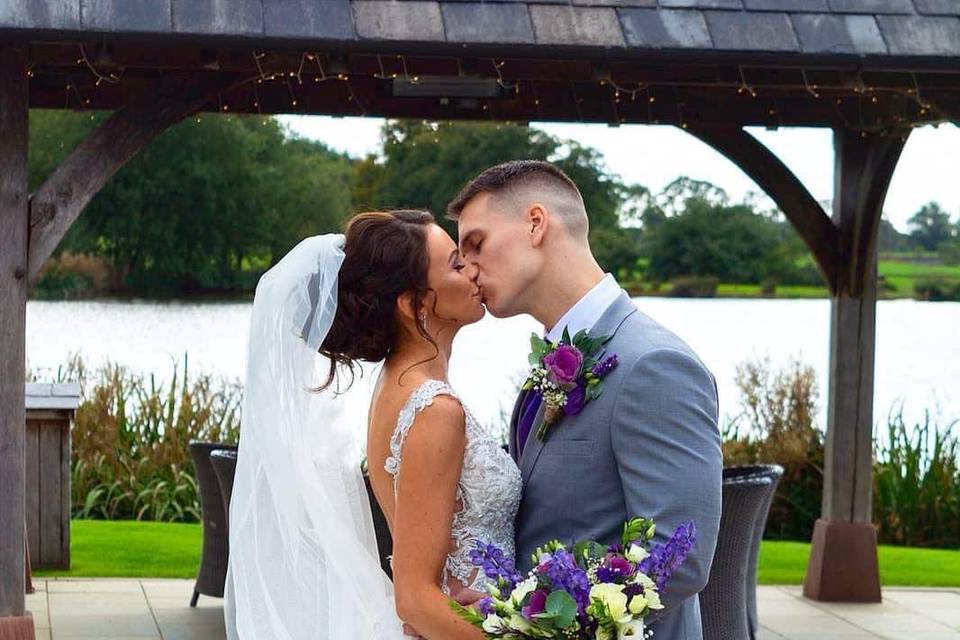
column 538, row 219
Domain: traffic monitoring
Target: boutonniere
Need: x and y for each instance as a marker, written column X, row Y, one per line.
column 567, row 374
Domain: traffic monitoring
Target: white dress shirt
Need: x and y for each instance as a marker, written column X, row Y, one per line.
column 588, row 309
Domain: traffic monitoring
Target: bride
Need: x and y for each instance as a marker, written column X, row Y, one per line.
column 303, row 557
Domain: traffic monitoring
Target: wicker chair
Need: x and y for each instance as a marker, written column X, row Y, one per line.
column 381, row 528
column 723, row 602
column 774, row 472
column 212, row 573
column 224, row 463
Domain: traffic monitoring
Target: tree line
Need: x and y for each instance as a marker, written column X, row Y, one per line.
column 214, row 201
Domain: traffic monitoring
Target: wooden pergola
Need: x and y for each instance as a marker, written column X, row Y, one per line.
column 868, row 69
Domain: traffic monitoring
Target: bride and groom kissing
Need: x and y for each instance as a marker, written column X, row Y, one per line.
column 634, row 435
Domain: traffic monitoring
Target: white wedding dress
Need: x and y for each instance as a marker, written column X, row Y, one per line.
column 303, row 561
column 488, row 494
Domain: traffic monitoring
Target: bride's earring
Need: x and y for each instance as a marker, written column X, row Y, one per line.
column 423, row 321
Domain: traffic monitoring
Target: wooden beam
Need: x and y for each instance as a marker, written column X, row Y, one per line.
column 13, row 308
column 843, row 559
column 58, row 202
column 776, row 179
column 865, row 165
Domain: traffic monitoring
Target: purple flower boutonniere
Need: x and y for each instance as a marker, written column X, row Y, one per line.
column 567, row 375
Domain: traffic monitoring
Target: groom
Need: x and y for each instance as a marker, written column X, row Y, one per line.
column 649, row 446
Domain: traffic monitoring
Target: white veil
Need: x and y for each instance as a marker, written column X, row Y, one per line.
column 303, row 554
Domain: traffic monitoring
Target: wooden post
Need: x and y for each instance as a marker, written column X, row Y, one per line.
column 15, row 622
column 843, row 559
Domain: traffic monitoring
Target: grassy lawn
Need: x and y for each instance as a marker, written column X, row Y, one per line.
column 132, row 549
column 786, row 562
column 152, row 549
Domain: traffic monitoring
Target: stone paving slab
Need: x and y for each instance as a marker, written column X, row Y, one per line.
column 121, row 609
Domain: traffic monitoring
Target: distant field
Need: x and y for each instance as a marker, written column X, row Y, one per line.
column 903, row 275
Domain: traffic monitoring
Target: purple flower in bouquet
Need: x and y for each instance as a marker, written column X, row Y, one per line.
column 605, row 366
column 536, row 604
column 614, row 569
column 495, row 564
column 576, row 399
column 561, row 569
column 485, row 606
column 563, row 365
column 665, row 558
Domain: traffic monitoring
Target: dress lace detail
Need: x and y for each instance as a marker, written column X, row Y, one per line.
column 488, row 493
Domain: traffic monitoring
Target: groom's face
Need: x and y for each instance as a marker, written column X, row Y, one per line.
column 497, row 251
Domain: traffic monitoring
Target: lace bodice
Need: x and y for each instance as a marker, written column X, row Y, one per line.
column 488, row 494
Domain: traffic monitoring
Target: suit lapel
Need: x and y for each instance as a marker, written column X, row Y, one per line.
column 512, row 443
column 607, row 325
column 532, row 447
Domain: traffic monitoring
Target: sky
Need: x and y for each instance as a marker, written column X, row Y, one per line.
column 653, row 156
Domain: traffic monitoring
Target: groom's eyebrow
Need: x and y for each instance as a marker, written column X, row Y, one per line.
column 467, row 239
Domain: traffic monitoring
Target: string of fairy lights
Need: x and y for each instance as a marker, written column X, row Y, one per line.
column 312, row 68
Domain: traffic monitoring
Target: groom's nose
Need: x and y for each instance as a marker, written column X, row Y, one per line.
column 473, row 272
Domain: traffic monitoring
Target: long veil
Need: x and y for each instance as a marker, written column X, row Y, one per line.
column 303, row 555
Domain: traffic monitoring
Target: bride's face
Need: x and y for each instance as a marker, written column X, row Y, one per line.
column 457, row 298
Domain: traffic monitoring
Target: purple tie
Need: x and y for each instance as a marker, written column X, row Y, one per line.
column 531, row 404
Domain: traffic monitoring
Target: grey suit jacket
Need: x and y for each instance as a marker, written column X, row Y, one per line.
column 649, row 446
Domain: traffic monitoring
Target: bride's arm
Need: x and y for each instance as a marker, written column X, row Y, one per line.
column 426, row 501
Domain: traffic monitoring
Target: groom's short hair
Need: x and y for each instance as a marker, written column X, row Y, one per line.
column 532, row 180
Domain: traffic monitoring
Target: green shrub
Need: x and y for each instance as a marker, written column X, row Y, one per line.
column 916, row 471
column 937, row 290
column 776, row 425
column 694, row 287
column 130, row 440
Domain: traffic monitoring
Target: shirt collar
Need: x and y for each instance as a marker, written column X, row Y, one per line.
column 588, row 309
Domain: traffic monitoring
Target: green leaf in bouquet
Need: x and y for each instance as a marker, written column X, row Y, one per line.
column 565, row 339
column 588, row 550
column 467, row 614
column 637, row 529
column 560, row 611
column 538, row 345
column 594, row 391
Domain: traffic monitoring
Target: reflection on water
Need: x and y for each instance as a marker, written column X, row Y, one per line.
column 918, row 356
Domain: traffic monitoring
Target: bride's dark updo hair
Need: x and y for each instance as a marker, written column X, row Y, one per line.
column 385, row 255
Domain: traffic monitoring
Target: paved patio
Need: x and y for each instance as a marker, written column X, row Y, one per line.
column 115, row 609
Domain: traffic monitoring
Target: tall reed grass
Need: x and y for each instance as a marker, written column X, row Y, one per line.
column 130, row 439
column 916, row 483
column 916, row 469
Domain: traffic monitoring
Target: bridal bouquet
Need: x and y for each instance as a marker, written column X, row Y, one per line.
column 589, row 592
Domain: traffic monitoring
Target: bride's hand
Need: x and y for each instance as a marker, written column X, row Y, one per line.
column 468, row 597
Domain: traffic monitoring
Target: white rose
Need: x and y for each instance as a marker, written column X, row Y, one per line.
column 493, row 623
column 653, row 599
column 644, row 581
column 637, row 604
column 613, row 597
column 636, row 553
column 522, row 589
column 633, row 629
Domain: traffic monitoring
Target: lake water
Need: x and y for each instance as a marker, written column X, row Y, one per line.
column 917, row 362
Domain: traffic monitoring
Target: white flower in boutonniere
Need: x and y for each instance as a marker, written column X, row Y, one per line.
column 567, row 374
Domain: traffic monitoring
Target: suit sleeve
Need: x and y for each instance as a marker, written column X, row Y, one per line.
column 667, row 449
